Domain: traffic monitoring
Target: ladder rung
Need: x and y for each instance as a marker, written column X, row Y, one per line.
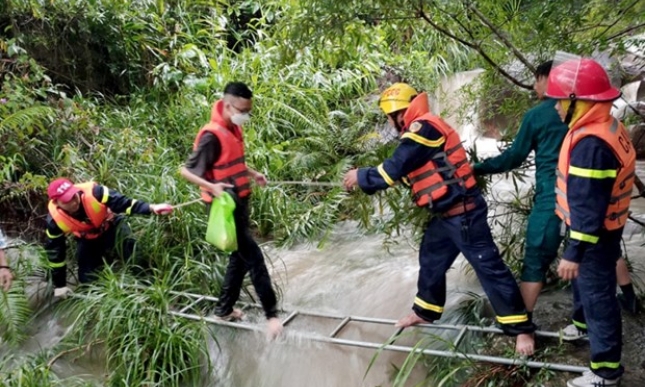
column 460, row 337
column 290, row 317
column 185, row 308
column 452, row 353
column 395, row 335
column 340, row 326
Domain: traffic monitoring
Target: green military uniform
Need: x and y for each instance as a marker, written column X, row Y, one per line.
column 543, row 131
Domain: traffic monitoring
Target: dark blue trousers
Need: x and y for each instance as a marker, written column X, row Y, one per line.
column 92, row 254
column 469, row 234
column 596, row 308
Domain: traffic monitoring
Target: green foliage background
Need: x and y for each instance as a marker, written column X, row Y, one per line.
column 115, row 91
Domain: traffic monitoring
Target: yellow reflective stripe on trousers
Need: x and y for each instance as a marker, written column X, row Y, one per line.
column 129, row 210
column 50, row 236
column 579, row 324
column 56, row 265
column 592, row 173
column 106, row 195
column 519, row 318
column 427, row 306
column 605, row 364
column 583, row 237
column 424, row 141
column 384, row 175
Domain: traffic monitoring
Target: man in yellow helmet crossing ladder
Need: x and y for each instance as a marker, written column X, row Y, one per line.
column 431, row 160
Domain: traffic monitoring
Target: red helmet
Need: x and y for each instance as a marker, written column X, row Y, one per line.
column 583, row 79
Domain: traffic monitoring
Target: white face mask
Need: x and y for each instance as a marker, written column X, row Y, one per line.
column 240, row 119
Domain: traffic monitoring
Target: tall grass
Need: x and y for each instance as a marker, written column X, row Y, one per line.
column 116, row 91
column 306, row 126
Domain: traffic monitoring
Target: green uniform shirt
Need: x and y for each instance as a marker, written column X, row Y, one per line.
column 543, row 131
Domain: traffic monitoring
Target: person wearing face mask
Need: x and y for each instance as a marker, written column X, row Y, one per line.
column 431, row 160
column 217, row 163
column 93, row 213
column 594, row 181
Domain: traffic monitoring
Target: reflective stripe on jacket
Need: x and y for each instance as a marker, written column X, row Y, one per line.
column 98, row 214
column 428, row 182
column 613, row 133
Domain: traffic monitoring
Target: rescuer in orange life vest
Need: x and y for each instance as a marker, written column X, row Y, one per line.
column 217, row 162
column 431, row 160
column 594, row 182
column 92, row 213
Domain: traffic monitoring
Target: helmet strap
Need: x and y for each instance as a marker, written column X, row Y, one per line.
column 571, row 109
column 395, row 118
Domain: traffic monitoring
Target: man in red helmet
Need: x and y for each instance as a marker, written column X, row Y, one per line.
column 93, row 214
column 431, row 160
column 594, row 182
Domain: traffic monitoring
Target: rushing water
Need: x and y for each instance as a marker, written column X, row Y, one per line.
column 353, row 274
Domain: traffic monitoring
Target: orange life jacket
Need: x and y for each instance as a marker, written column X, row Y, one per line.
column 428, row 184
column 618, row 140
column 230, row 166
column 98, row 214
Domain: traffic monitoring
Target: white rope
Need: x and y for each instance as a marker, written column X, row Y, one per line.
column 307, row 183
column 187, row 203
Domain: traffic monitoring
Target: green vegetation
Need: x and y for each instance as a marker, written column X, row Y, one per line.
column 115, row 91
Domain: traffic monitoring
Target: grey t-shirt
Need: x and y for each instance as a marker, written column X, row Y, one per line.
column 3, row 241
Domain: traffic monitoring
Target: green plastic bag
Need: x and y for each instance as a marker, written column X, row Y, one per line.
column 221, row 224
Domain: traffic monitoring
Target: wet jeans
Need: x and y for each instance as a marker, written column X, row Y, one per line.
column 469, row 234
column 596, row 307
column 248, row 258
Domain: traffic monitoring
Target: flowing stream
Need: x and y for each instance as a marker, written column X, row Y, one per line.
column 353, row 274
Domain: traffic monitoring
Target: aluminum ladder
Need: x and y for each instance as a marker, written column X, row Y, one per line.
column 192, row 300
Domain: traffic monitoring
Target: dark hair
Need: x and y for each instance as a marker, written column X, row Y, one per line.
column 543, row 69
column 238, row 89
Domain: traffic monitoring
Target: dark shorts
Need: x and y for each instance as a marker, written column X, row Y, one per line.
column 542, row 243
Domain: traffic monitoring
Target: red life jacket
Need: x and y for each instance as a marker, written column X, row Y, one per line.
column 230, row 167
column 99, row 215
column 428, row 184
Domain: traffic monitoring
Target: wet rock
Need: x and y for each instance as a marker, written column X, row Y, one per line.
column 549, row 318
column 633, row 61
column 637, row 134
column 634, row 91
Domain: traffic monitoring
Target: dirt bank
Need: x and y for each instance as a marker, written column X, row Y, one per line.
column 553, row 313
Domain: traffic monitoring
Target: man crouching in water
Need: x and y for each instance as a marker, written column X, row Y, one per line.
column 431, row 160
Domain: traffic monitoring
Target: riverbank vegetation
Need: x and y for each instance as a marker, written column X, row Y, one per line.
column 115, row 91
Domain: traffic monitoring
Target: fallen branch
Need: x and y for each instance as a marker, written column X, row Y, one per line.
column 626, row 31
column 87, row 346
column 475, row 47
column 640, row 223
column 621, row 14
column 502, row 37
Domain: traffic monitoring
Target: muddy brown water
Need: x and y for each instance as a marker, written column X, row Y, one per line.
column 353, row 274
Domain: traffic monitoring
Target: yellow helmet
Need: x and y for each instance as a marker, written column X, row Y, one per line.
column 396, row 97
